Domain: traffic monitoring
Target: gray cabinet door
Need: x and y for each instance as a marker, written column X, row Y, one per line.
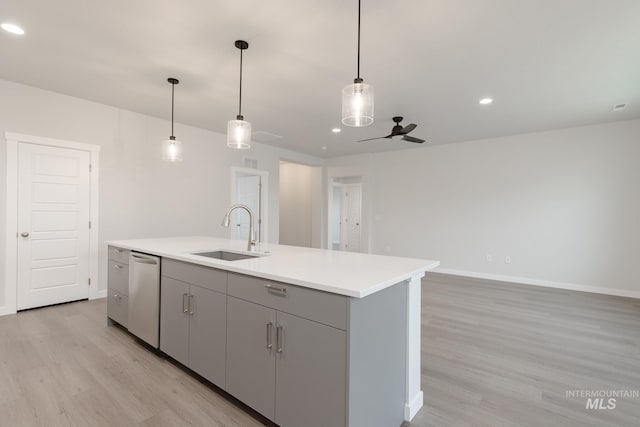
column 250, row 364
column 310, row 374
column 208, row 334
column 117, row 307
column 118, row 278
column 174, row 322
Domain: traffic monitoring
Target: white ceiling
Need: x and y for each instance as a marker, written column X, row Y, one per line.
column 547, row 63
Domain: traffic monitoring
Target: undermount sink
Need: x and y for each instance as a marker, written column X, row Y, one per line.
column 225, row 256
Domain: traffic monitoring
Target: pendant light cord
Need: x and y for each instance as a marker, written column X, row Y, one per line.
column 240, row 97
column 359, row 39
column 173, row 86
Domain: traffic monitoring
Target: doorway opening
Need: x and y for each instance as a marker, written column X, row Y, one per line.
column 300, row 204
column 345, row 214
column 250, row 187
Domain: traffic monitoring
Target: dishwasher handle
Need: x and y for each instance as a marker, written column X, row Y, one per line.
column 143, row 259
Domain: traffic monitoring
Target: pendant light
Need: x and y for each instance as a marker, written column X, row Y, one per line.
column 239, row 130
column 357, row 98
column 172, row 148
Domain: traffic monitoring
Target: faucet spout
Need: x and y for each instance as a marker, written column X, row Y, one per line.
column 251, row 244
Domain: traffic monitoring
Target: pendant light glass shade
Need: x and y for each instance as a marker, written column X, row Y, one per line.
column 239, row 130
column 357, row 105
column 171, row 150
column 239, row 134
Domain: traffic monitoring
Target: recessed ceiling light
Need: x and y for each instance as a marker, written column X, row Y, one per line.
column 336, row 130
column 12, row 28
column 486, row 101
column 324, row 147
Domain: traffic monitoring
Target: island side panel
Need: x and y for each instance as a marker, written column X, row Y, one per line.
column 377, row 358
column 413, row 397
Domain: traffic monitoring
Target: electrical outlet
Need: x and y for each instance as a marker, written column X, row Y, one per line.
column 507, row 259
column 489, row 258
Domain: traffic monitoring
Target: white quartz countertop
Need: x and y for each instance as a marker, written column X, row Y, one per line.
column 346, row 273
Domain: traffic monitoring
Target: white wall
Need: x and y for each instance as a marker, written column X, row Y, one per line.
column 317, row 209
column 563, row 204
column 296, row 204
column 140, row 196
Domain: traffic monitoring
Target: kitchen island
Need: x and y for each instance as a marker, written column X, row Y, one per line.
column 304, row 336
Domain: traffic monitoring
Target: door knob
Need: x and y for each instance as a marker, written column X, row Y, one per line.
column 24, row 234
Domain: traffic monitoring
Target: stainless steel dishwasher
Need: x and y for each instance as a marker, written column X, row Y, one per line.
column 144, row 297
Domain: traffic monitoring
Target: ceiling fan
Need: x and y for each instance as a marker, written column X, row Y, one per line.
column 398, row 130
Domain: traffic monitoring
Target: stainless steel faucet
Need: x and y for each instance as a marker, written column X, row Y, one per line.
column 251, row 244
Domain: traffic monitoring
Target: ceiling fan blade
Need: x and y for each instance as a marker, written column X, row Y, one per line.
column 408, row 128
column 379, row 137
column 412, row 139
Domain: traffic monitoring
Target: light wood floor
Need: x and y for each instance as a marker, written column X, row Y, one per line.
column 502, row 354
column 493, row 355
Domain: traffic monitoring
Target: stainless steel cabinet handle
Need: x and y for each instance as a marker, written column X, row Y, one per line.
column 117, row 266
column 118, row 250
column 279, row 339
column 276, row 289
column 24, row 234
column 184, row 308
column 269, row 335
column 143, row 260
column 191, row 310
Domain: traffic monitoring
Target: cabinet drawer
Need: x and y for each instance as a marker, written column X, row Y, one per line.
column 323, row 307
column 118, row 278
column 206, row 277
column 118, row 307
column 119, row 255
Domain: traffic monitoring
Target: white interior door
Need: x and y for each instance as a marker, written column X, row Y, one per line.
column 336, row 214
column 248, row 192
column 53, row 225
column 352, row 213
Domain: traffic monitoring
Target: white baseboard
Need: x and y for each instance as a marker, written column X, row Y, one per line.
column 412, row 408
column 540, row 282
column 5, row 311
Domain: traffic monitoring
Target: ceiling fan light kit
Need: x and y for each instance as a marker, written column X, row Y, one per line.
column 172, row 148
column 239, row 130
column 357, row 98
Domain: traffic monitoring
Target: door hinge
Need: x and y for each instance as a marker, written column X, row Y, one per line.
column 90, row 167
column 89, row 224
column 89, row 281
